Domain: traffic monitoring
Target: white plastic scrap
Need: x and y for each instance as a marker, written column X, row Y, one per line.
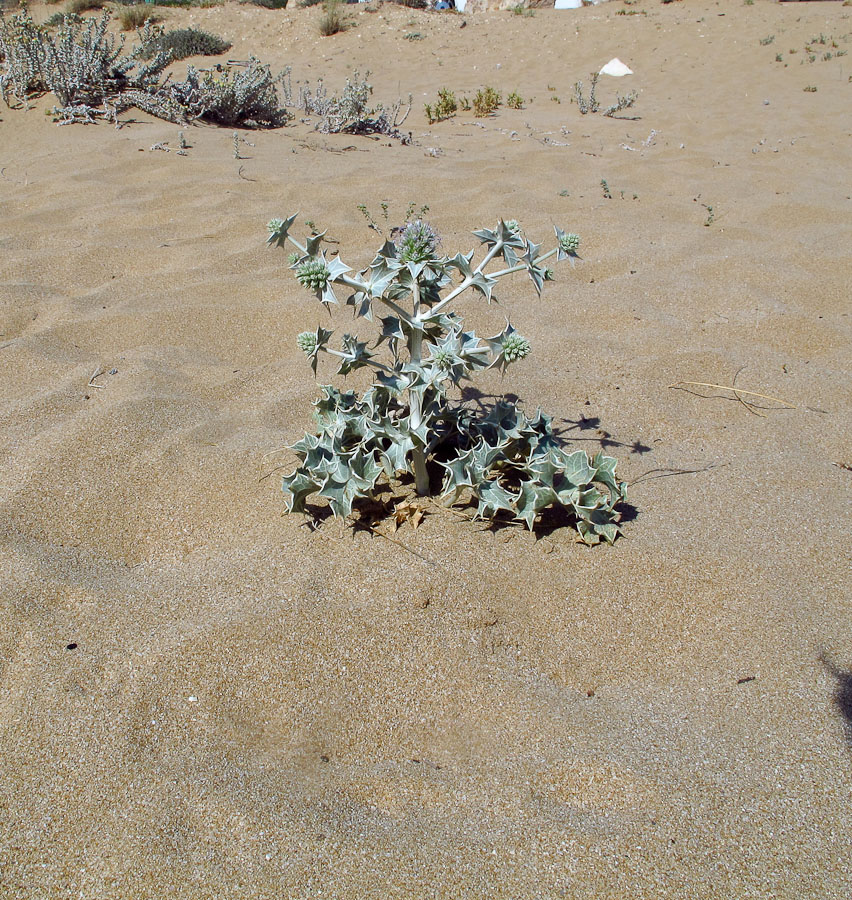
column 616, row 67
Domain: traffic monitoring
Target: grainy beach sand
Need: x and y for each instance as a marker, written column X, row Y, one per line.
column 252, row 709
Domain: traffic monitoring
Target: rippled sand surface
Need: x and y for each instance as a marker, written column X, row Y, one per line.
column 201, row 697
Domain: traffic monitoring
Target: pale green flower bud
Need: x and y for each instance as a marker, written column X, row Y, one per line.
column 444, row 359
column 570, row 243
column 307, row 342
column 515, row 347
column 313, row 274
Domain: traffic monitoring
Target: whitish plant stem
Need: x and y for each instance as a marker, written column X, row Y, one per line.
column 300, row 247
column 421, row 476
column 468, row 281
column 521, row 266
column 415, row 347
column 352, row 282
column 489, row 256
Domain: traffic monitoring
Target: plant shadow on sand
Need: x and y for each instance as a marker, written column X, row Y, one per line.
column 565, row 430
column 842, row 696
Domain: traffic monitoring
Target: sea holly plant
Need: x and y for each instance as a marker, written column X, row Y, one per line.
column 409, row 420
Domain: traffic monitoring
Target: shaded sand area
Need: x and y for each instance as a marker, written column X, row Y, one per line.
column 255, row 709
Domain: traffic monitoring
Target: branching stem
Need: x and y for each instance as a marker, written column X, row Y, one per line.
column 300, row 247
column 521, row 266
column 468, row 281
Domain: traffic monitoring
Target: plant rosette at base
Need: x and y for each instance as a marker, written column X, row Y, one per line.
column 508, row 463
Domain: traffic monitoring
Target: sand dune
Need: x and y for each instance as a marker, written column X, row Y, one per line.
column 255, row 709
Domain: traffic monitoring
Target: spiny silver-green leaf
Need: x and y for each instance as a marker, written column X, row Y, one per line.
column 278, row 229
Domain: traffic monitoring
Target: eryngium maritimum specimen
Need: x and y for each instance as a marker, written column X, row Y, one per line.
column 508, row 463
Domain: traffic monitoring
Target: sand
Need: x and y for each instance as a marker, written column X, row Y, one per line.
column 204, row 698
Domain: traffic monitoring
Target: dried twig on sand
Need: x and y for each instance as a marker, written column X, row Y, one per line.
column 737, row 392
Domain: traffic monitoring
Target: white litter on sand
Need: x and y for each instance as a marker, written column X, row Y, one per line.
column 616, row 67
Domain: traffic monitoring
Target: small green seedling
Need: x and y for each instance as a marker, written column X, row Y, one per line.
column 444, row 107
column 406, row 421
column 486, row 101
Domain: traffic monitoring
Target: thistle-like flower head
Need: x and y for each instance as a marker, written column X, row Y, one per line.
column 515, row 347
column 514, row 226
column 569, row 243
column 444, row 358
column 418, row 242
column 313, row 274
column 307, row 342
column 278, row 229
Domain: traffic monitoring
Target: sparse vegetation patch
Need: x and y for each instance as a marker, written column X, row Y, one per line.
column 515, row 100
column 351, row 111
column 591, row 104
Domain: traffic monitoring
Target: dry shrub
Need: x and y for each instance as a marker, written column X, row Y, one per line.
column 133, row 17
column 332, row 21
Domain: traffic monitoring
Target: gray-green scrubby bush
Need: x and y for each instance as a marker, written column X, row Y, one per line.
column 509, row 463
column 76, row 7
column 183, row 43
column 351, row 112
column 592, row 104
column 84, row 66
column 246, row 96
column 56, row 19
